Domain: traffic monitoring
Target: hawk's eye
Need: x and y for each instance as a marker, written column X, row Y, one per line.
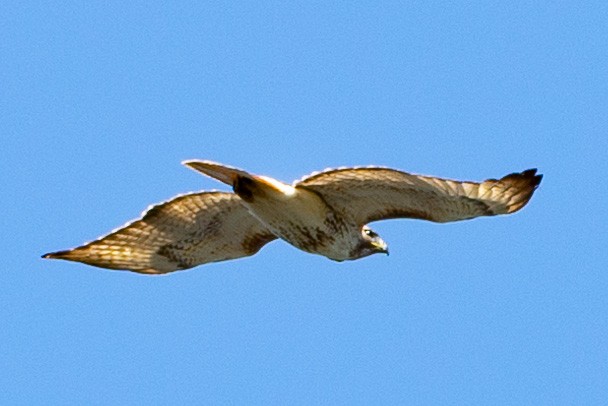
column 370, row 233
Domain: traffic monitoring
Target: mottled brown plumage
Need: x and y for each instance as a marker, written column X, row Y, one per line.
column 324, row 213
column 188, row 230
column 371, row 194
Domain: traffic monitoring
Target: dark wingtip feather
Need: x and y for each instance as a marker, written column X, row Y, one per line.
column 531, row 174
column 56, row 255
column 528, row 175
column 526, row 183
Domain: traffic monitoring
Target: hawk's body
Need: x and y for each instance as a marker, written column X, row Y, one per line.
column 325, row 213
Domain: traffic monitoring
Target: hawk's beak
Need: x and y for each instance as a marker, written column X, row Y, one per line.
column 381, row 246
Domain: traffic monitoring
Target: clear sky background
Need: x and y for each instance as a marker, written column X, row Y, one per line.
column 101, row 101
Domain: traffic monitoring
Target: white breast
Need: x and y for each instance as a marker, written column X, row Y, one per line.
column 298, row 216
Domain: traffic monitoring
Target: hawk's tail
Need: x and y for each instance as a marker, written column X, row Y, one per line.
column 223, row 173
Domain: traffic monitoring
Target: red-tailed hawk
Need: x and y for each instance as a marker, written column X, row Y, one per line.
column 324, row 213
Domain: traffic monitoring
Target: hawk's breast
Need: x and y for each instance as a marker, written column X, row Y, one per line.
column 299, row 216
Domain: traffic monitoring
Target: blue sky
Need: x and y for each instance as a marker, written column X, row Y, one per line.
column 100, row 103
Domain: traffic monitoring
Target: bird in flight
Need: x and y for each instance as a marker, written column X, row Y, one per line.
column 325, row 213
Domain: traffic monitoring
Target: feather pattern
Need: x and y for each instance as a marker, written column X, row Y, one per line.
column 324, row 213
column 186, row 231
column 375, row 193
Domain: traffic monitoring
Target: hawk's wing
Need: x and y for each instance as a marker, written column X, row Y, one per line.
column 186, row 231
column 369, row 194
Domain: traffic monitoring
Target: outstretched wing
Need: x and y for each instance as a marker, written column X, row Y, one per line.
column 369, row 194
column 189, row 230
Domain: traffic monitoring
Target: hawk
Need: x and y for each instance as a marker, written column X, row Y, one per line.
column 325, row 213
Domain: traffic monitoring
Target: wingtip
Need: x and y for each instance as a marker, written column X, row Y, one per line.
column 526, row 183
column 532, row 174
column 224, row 173
column 189, row 162
column 537, row 180
column 529, row 175
column 193, row 163
column 56, row 255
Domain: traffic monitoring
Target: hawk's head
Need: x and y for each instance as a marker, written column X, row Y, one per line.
column 370, row 243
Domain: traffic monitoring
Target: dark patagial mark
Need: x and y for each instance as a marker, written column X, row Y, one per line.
column 244, row 187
